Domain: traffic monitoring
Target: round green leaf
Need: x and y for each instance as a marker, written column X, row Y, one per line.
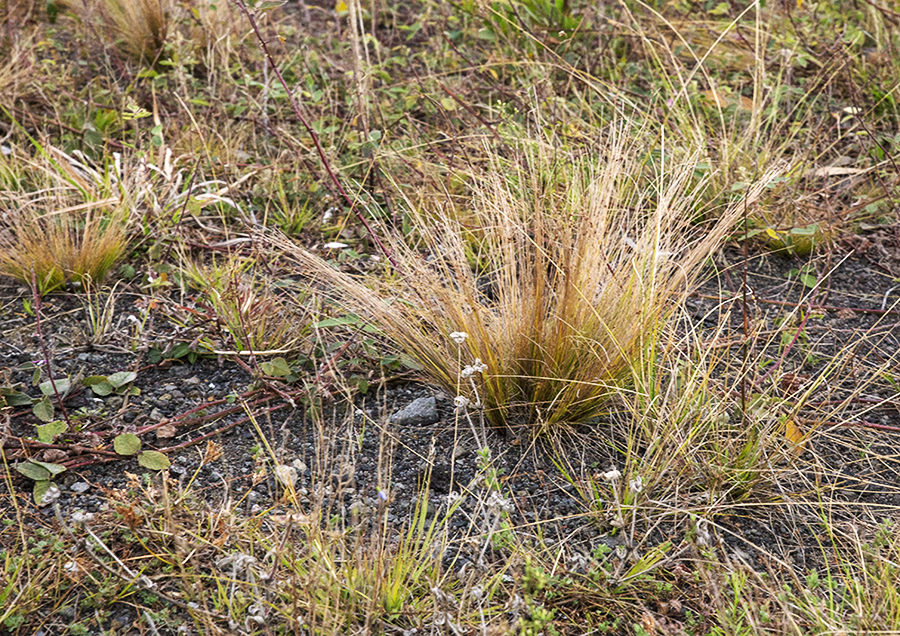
column 40, row 489
column 153, row 460
column 53, row 469
column 127, row 444
column 62, row 386
column 102, row 388
column 14, row 398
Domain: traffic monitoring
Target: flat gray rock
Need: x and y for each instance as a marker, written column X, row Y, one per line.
column 420, row 412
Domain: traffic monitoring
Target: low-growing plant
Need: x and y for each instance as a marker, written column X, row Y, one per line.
column 253, row 317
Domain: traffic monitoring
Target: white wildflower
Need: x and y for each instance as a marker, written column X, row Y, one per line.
column 611, row 475
column 461, row 401
column 479, row 366
column 498, row 502
column 636, row 485
column 458, row 337
column 467, row 372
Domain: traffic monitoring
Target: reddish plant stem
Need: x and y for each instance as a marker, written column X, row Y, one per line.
column 790, row 346
column 218, row 431
column 312, row 133
column 180, row 420
column 37, row 314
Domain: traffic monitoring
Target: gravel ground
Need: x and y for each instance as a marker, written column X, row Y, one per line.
column 359, row 455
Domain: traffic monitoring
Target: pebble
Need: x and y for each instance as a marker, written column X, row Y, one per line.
column 80, row 487
column 419, row 412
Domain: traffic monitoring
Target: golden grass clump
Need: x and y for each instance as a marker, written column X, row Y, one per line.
column 76, row 244
column 71, row 225
column 138, row 27
column 577, row 269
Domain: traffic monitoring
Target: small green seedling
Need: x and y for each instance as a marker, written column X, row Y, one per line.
column 41, row 473
column 806, row 275
column 118, row 383
column 128, row 444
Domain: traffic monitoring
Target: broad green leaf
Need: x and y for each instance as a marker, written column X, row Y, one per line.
column 47, row 432
column 53, row 469
column 122, row 378
column 62, row 386
column 33, row 471
column 153, row 460
column 277, row 367
column 809, row 230
column 102, row 388
column 14, row 398
column 43, row 409
column 180, row 350
column 40, row 489
column 127, row 444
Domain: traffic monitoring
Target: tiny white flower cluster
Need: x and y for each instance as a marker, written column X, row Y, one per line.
column 460, row 401
column 458, row 337
column 636, row 485
column 611, row 475
column 478, row 367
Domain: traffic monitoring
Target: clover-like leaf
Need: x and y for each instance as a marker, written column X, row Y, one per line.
column 53, row 469
column 47, row 432
column 11, row 397
column 43, row 409
column 40, row 490
column 127, row 444
column 99, row 384
column 33, row 471
column 277, row 367
column 153, row 460
column 62, row 386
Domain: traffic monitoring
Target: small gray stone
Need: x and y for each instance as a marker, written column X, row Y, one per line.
column 420, row 412
column 80, row 487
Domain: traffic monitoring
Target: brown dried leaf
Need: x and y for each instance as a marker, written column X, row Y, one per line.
column 54, row 455
column 165, row 431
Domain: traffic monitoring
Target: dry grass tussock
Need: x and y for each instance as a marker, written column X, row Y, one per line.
column 70, row 225
column 566, row 274
column 139, row 27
